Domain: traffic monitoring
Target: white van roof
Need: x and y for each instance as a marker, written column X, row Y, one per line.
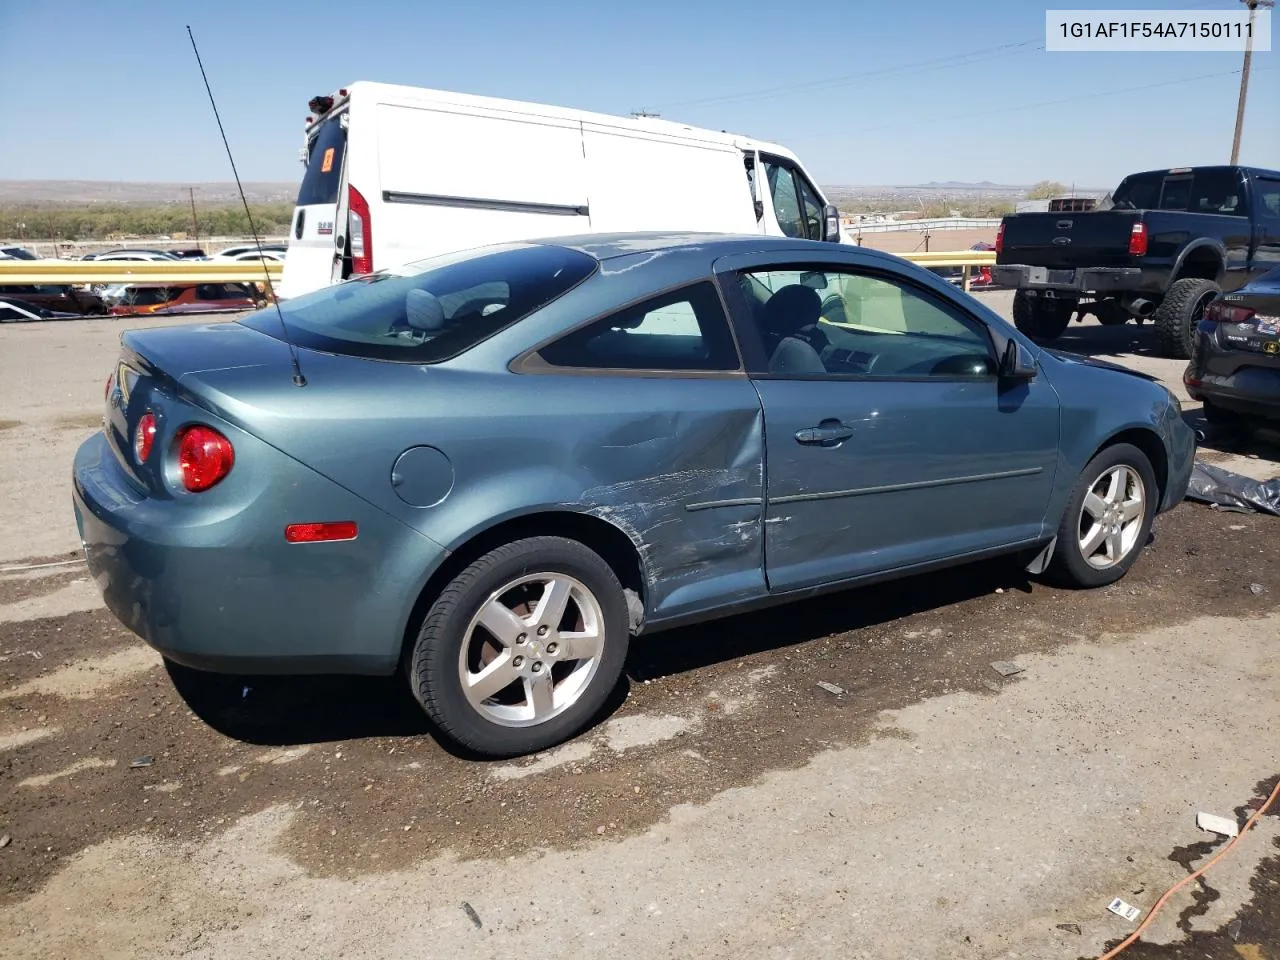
column 398, row 93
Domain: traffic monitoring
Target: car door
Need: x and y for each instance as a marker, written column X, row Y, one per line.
column 890, row 439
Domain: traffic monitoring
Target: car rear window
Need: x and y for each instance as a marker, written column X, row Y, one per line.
column 432, row 310
column 324, row 164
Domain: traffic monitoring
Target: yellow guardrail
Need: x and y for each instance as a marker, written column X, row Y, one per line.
column 965, row 259
column 137, row 271
column 213, row 271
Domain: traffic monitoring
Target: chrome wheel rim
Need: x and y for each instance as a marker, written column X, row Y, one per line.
column 1111, row 517
column 531, row 650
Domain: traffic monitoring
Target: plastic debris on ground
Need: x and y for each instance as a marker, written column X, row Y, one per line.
column 1006, row 668
column 1122, row 909
column 142, row 761
column 1226, row 826
column 1224, row 490
column 831, row 687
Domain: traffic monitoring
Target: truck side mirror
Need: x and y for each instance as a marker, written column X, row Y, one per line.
column 831, row 223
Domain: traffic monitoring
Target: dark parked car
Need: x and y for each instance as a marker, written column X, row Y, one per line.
column 1163, row 246
column 1235, row 365
column 18, row 311
column 57, row 297
column 492, row 468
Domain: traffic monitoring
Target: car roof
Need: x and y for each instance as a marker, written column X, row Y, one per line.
column 607, row 246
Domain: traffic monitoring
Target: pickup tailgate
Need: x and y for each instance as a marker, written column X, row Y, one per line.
column 1097, row 238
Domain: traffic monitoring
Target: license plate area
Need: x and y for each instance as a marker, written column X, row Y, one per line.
column 1043, row 276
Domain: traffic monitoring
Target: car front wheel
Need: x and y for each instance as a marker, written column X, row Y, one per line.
column 522, row 648
column 1107, row 519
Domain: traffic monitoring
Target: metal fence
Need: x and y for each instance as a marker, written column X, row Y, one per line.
column 208, row 271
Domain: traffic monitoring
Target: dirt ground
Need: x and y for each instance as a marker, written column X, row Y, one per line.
column 725, row 806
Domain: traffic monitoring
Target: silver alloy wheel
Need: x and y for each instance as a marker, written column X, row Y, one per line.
column 532, row 649
column 1111, row 516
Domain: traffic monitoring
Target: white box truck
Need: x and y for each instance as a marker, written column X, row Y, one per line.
column 395, row 174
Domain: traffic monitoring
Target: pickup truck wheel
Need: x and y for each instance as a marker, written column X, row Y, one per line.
column 1179, row 313
column 1042, row 320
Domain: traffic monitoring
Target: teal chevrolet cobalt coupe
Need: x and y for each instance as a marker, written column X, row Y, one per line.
column 491, row 469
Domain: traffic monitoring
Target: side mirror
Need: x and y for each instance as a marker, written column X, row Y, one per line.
column 1017, row 364
column 830, row 223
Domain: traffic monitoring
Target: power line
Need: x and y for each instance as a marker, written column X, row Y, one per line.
column 937, row 63
column 1025, row 106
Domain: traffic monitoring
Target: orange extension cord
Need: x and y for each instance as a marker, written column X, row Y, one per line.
column 1128, row 941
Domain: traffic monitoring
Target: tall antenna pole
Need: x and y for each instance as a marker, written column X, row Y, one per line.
column 195, row 224
column 1244, row 75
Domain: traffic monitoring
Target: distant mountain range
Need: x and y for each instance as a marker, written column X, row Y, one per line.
column 79, row 192
column 220, row 194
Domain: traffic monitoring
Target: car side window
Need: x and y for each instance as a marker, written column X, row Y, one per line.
column 844, row 323
column 1268, row 197
column 685, row 329
column 786, row 201
column 9, row 313
column 1217, row 191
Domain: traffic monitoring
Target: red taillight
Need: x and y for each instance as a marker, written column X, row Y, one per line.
column 359, row 232
column 1000, row 239
column 144, row 435
column 1219, row 312
column 1138, row 240
column 320, row 532
column 204, row 457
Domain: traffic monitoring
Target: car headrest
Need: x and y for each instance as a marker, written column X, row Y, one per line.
column 791, row 309
column 423, row 311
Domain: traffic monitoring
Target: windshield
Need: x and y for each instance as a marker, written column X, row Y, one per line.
column 431, row 310
column 324, row 164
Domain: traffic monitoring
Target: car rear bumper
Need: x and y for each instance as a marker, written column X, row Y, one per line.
column 1242, row 381
column 1078, row 281
column 219, row 589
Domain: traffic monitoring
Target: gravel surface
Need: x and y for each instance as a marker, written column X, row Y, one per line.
column 849, row 776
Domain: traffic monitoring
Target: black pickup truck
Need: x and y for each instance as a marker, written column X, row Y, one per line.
column 1160, row 247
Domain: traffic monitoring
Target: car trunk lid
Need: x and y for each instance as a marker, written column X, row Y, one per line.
column 157, row 372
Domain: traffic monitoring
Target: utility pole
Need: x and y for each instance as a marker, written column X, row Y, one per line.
column 1253, row 6
column 195, row 224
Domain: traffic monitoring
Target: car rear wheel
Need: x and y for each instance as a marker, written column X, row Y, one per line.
column 1107, row 519
column 522, row 648
column 1041, row 319
column 1179, row 314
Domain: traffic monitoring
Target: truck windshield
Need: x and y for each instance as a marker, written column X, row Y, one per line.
column 324, row 164
column 432, row 310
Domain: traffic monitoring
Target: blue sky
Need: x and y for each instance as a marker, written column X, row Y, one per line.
column 865, row 92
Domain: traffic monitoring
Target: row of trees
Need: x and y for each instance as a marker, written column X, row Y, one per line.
column 102, row 221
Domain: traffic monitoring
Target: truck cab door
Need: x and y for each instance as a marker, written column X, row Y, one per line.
column 1266, row 231
column 766, row 223
column 798, row 209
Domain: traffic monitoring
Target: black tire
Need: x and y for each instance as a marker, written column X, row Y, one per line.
column 1042, row 320
column 1069, row 566
column 1179, row 313
column 1111, row 314
column 434, row 667
column 1219, row 416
